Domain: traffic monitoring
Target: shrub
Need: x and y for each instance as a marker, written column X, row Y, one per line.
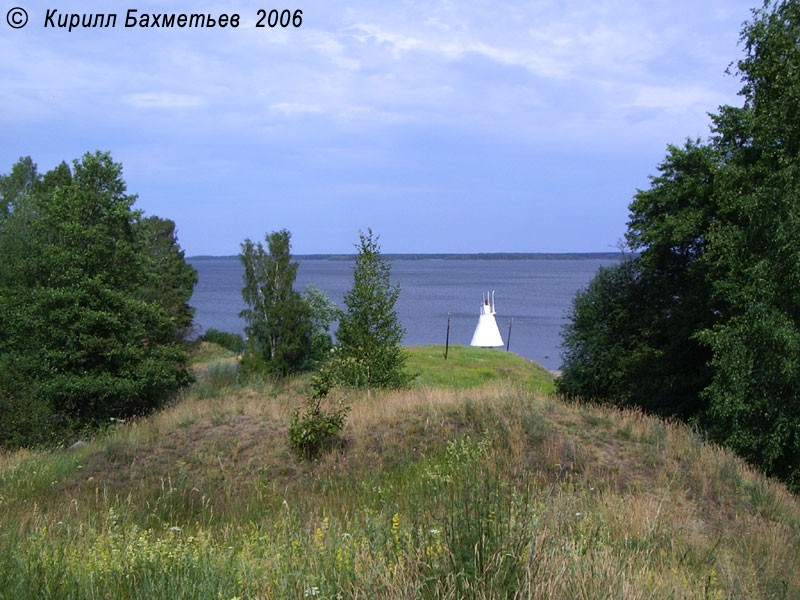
column 314, row 431
column 230, row 341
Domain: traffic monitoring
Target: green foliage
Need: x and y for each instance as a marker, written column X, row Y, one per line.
column 313, row 431
column 754, row 253
column 26, row 419
column 17, row 185
column 278, row 320
column 170, row 280
column 323, row 313
column 640, row 316
column 602, row 335
column 80, row 336
column 707, row 325
column 231, row 341
column 369, row 334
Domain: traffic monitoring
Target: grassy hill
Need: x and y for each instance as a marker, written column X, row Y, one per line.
column 467, row 367
column 473, row 484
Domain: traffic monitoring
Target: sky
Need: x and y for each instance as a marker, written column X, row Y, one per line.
column 469, row 126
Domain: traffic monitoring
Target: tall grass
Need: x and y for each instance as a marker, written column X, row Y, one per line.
column 490, row 492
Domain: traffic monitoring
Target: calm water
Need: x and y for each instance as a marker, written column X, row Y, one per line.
column 536, row 293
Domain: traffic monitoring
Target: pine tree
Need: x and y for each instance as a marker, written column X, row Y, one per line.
column 369, row 333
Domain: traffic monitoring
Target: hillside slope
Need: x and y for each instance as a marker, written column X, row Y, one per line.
column 488, row 492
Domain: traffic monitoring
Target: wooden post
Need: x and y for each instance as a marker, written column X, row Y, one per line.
column 508, row 339
column 447, row 339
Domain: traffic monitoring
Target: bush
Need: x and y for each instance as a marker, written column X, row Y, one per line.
column 314, row 431
column 230, row 341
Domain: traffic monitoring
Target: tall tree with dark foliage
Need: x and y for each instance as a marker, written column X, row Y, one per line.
column 705, row 322
column 80, row 341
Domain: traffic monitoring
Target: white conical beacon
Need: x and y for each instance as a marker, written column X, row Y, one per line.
column 487, row 335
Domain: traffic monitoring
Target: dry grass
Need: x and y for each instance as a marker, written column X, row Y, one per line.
column 490, row 492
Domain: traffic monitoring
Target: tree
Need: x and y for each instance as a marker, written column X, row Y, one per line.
column 631, row 335
column 754, row 252
column 602, row 336
column 78, row 340
column 323, row 314
column 278, row 320
column 669, row 227
column 20, row 182
column 717, row 281
column 369, row 332
column 170, row 279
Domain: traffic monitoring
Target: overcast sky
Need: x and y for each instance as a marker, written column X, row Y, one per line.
column 469, row 126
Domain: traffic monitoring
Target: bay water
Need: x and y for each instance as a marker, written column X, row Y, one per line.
column 536, row 293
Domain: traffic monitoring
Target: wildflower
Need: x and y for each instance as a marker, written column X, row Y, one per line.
column 318, row 537
column 312, row 591
column 395, row 523
column 579, row 514
column 434, row 532
column 175, row 529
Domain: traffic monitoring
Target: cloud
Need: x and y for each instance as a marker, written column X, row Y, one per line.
column 294, row 108
column 164, row 100
column 675, row 99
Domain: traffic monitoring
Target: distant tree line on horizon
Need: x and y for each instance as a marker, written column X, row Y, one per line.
column 704, row 323
column 450, row 256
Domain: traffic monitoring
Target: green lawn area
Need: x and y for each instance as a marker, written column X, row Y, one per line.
column 468, row 367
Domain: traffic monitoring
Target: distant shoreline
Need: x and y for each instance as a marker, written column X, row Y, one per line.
column 450, row 256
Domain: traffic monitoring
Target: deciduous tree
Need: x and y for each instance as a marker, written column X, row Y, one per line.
column 170, row 280
column 714, row 306
column 78, row 338
column 278, row 320
column 754, row 252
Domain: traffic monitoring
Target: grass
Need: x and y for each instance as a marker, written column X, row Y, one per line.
column 468, row 367
column 205, row 353
column 493, row 491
